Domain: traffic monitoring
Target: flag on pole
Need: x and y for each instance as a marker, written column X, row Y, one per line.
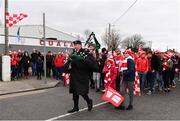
column 113, row 97
column 18, row 34
column 15, row 18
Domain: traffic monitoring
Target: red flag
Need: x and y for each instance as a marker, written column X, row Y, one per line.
column 113, row 97
column 11, row 20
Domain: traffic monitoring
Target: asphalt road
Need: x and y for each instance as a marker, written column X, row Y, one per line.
column 54, row 103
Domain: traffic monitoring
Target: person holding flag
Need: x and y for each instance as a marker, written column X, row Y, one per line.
column 128, row 80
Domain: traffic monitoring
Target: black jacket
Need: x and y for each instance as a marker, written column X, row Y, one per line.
column 39, row 66
column 156, row 63
column 25, row 61
column 34, row 57
column 79, row 72
column 49, row 60
column 129, row 74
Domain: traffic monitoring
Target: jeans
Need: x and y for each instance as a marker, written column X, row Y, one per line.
column 159, row 79
column 33, row 68
column 102, row 81
column 96, row 78
column 130, row 86
column 166, row 78
column 142, row 78
column 48, row 71
column 59, row 71
column 151, row 78
column 13, row 71
column 39, row 73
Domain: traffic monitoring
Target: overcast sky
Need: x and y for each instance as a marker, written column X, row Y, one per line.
column 156, row 20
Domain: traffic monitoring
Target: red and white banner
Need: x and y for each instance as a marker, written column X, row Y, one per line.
column 66, row 79
column 137, row 90
column 11, row 20
column 112, row 96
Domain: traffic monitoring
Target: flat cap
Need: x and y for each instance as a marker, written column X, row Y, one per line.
column 77, row 42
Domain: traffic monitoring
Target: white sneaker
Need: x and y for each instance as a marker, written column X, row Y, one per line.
column 149, row 92
column 103, row 90
column 160, row 89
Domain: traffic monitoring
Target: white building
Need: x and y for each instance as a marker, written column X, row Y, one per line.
column 31, row 36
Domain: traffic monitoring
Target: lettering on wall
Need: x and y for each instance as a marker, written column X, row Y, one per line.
column 52, row 43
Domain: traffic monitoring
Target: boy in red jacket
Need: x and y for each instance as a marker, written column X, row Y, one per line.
column 59, row 63
column 142, row 69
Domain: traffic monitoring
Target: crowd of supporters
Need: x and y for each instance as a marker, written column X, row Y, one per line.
column 156, row 69
column 24, row 64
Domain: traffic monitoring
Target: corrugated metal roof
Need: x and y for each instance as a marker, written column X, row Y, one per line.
column 37, row 32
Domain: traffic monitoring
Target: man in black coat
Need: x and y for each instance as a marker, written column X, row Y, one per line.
column 156, row 66
column 34, row 58
column 49, row 61
column 80, row 64
column 102, row 62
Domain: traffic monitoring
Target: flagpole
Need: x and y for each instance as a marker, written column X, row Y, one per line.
column 44, row 36
column 6, row 29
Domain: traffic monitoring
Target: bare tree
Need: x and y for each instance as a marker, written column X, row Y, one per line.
column 113, row 40
column 134, row 42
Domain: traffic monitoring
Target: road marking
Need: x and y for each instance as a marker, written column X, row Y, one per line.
column 21, row 94
column 68, row 114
